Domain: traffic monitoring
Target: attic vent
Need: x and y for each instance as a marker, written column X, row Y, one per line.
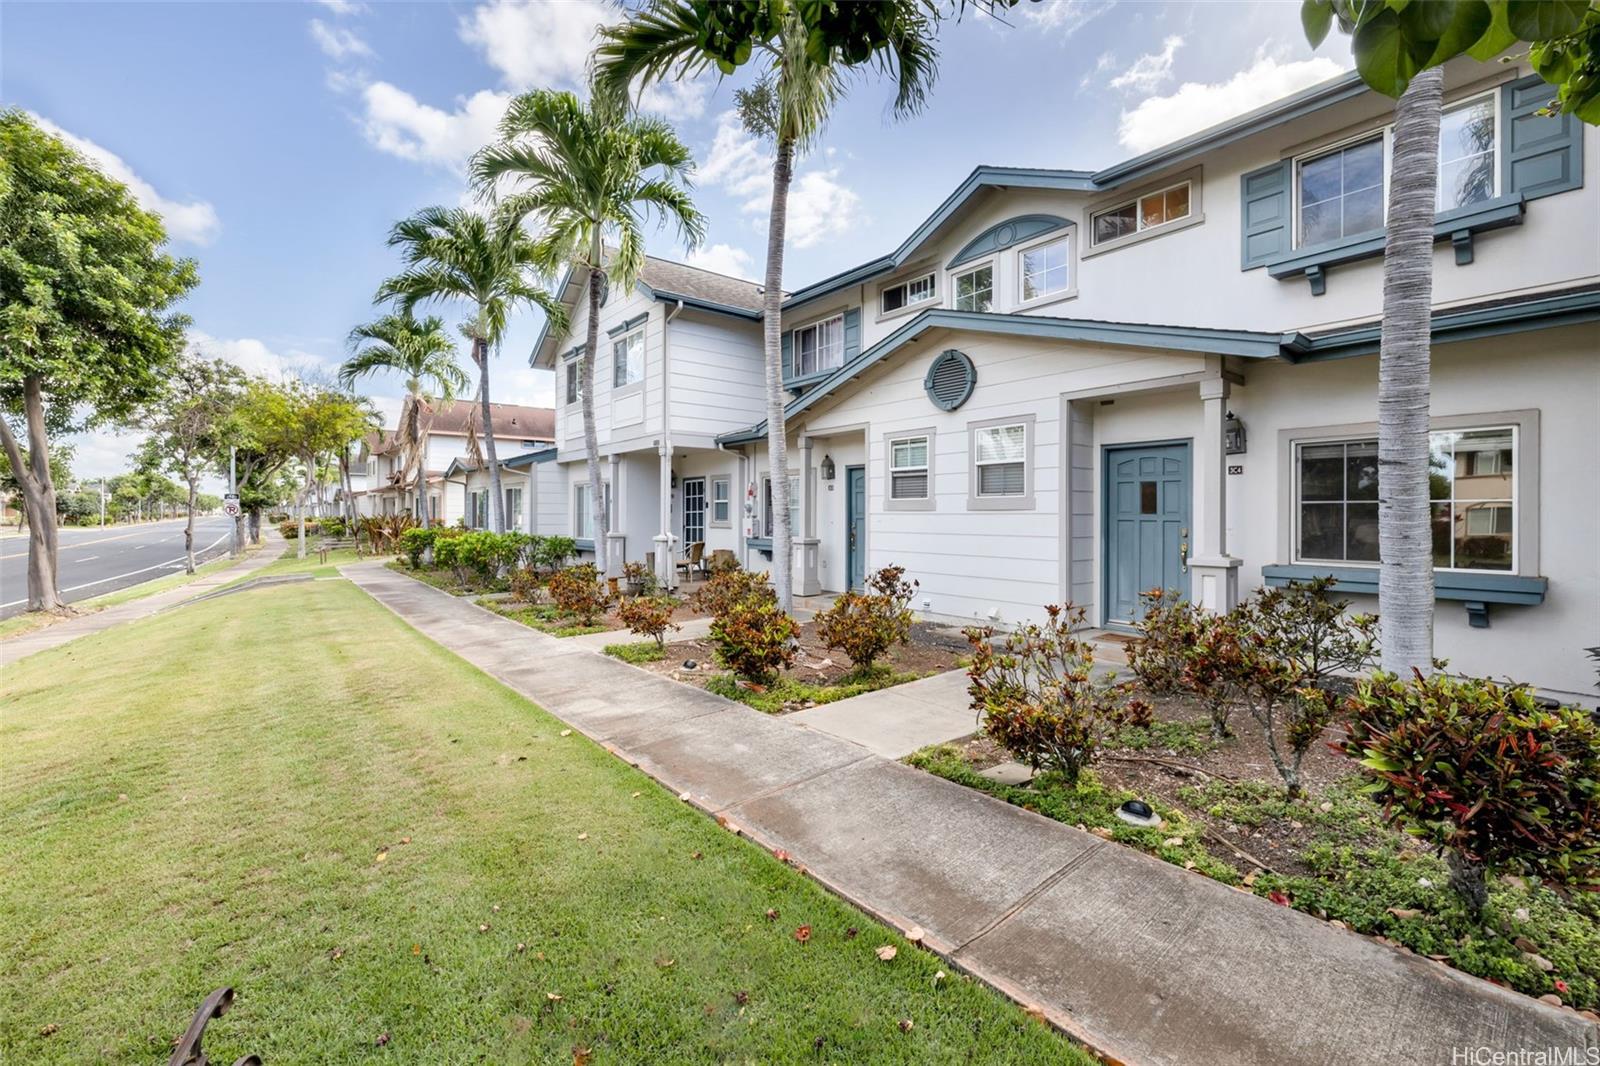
column 950, row 380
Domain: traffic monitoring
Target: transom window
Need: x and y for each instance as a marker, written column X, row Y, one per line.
column 720, row 502
column 628, row 360
column 1341, row 192
column 1044, row 270
column 1466, row 154
column 906, row 293
column 1147, row 212
column 819, row 346
column 1002, row 460
column 908, row 469
column 974, row 290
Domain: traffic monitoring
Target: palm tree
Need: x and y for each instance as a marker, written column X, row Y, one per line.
column 587, row 176
column 457, row 254
column 423, row 353
column 789, row 104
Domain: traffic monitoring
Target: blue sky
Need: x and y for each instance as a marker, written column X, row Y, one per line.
column 281, row 140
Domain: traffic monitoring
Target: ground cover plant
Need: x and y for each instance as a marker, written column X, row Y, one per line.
column 423, row 881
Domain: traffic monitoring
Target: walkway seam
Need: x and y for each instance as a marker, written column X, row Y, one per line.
column 1034, row 893
column 777, row 789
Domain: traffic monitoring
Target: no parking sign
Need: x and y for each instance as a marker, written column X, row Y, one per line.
column 230, row 505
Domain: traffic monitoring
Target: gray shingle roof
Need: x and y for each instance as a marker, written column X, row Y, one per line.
column 680, row 279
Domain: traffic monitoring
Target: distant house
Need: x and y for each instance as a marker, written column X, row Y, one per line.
column 1076, row 385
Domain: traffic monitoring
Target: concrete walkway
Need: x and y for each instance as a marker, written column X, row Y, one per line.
column 1140, row 960
column 56, row 634
column 894, row 722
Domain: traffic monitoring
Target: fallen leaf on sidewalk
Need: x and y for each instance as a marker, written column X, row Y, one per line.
column 914, row 934
column 1279, row 898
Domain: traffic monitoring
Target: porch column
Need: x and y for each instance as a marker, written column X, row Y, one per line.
column 1214, row 573
column 666, row 573
column 531, row 501
column 807, row 583
column 615, row 541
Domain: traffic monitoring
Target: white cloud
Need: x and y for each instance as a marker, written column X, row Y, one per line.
column 195, row 222
column 1193, row 106
column 1102, row 66
column 398, row 123
column 675, row 100
column 1063, row 17
column 819, row 205
column 104, row 452
column 737, row 161
column 1149, row 71
column 338, row 42
column 724, row 259
column 255, row 357
column 343, row 7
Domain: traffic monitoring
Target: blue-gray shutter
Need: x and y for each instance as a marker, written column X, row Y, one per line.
column 1264, row 214
column 1540, row 154
column 852, row 333
column 788, row 354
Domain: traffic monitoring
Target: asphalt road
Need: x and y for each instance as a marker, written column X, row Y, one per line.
column 97, row 561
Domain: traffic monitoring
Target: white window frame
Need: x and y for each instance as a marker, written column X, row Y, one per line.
column 574, row 382
column 796, row 369
column 514, row 513
column 726, row 485
column 768, row 525
column 977, row 501
column 1137, row 203
column 624, row 372
column 928, row 276
column 1022, row 253
column 925, row 502
column 580, row 509
column 955, row 284
column 1493, row 96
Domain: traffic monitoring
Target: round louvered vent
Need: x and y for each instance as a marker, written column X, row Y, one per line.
column 950, row 380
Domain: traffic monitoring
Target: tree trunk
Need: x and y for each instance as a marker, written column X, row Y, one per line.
column 1405, row 539
column 772, row 345
column 255, row 525
column 188, row 527
column 39, row 499
column 300, row 514
column 420, row 449
column 591, row 438
column 497, row 502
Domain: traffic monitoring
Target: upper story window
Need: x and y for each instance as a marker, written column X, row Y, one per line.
column 628, row 360
column 1147, row 212
column 574, row 372
column 1044, row 270
column 974, row 290
column 1341, row 192
column 1467, row 153
column 906, row 293
column 819, row 346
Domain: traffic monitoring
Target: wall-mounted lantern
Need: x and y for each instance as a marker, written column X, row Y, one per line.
column 827, row 468
column 1233, row 435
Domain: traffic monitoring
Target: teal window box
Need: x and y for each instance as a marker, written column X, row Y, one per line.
column 760, row 544
column 584, row 545
column 1475, row 591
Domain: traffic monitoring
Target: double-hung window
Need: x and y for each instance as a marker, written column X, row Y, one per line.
column 1001, row 459
column 514, row 515
column 1467, row 153
column 908, row 468
column 1342, row 192
column 1147, row 212
column 819, row 346
column 628, row 360
column 767, row 522
column 574, row 368
column 721, row 502
column 974, row 290
column 906, row 293
column 583, row 511
column 1044, row 270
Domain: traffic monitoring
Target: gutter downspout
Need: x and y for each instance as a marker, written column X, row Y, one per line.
column 665, row 571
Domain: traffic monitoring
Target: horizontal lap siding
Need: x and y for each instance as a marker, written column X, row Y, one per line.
column 715, row 374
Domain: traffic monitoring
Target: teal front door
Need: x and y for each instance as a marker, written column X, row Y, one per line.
column 1147, row 526
column 855, row 480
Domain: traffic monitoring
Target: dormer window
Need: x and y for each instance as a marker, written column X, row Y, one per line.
column 1147, row 212
column 907, row 293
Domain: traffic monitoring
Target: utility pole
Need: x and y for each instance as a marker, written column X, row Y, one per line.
column 233, row 453
column 102, row 501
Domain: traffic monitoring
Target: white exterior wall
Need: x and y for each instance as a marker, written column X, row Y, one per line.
column 716, row 377
column 443, row 448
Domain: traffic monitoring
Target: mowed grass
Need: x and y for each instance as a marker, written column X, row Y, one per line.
column 391, row 857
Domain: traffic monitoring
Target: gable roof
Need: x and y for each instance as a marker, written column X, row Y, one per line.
column 510, row 420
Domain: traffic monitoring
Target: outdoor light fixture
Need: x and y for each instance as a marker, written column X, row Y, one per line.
column 1138, row 812
column 827, row 468
column 1233, row 435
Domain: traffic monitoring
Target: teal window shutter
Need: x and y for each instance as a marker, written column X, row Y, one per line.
column 1267, row 229
column 1540, row 155
column 852, row 333
column 788, row 353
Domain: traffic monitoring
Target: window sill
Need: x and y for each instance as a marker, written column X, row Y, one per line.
column 632, row 388
column 1045, row 301
column 1475, row 590
column 807, row 379
column 1459, row 226
column 908, row 310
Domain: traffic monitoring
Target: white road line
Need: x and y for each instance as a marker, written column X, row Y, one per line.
column 138, row 531
column 143, row 569
column 88, row 559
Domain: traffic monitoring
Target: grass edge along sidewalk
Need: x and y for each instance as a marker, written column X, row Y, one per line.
column 381, row 869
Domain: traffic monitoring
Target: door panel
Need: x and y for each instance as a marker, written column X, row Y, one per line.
column 1147, row 525
column 856, row 524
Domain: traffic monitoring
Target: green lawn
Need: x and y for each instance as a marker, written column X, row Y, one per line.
column 29, row 621
column 290, row 792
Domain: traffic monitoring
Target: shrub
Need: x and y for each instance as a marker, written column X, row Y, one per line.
column 647, row 616
column 1213, row 667
column 577, row 591
column 1485, row 773
column 552, row 553
column 526, row 583
column 865, row 625
column 331, row 527
column 753, row 637
column 1038, row 696
column 485, row 555
column 641, row 579
column 1167, row 632
column 447, row 554
column 731, row 587
column 415, row 544
column 1302, row 626
column 290, row 530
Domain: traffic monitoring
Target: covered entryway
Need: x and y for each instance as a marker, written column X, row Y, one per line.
column 1147, row 507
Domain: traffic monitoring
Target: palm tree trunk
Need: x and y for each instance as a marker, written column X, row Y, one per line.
column 419, row 448
column 772, row 345
column 1405, row 542
column 497, row 502
column 591, row 436
column 38, row 499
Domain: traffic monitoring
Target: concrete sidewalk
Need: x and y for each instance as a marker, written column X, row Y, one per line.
column 58, row 633
column 1140, row 960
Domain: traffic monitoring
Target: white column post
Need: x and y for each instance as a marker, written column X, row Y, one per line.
column 1214, row 574
column 807, row 583
column 616, row 542
column 666, row 572
column 529, row 504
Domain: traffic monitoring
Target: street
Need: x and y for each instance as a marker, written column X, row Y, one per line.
column 96, row 561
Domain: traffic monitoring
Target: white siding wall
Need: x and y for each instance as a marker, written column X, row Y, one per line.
column 716, row 375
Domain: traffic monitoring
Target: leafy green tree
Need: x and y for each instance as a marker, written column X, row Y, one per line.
column 424, row 355
column 86, row 326
column 323, row 422
column 1399, row 46
column 585, row 175
column 259, row 434
column 806, row 52
column 457, row 254
column 186, row 425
